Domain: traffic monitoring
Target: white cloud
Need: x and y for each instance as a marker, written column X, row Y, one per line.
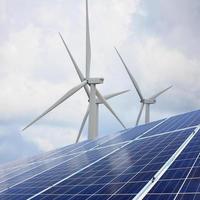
column 49, row 138
column 3, row 11
column 157, row 66
column 36, row 70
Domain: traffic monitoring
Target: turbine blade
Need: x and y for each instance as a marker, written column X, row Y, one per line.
column 88, row 45
column 61, row 100
column 131, row 77
column 159, row 93
column 80, row 74
column 108, row 107
column 109, row 96
column 140, row 113
column 82, row 125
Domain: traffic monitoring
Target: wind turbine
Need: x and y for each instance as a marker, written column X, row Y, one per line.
column 144, row 101
column 97, row 102
column 89, row 84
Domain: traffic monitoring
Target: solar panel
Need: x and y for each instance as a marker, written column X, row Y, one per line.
column 159, row 160
column 126, row 172
column 182, row 179
column 177, row 122
column 132, row 133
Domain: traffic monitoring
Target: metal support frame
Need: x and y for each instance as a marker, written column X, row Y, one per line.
column 144, row 191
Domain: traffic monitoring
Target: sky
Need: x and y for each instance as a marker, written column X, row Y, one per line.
column 158, row 39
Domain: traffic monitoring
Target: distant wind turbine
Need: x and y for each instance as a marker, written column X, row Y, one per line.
column 89, row 84
column 144, row 101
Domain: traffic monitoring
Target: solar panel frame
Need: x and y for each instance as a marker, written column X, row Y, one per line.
column 161, row 129
column 82, row 148
column 114, row 184
column 178, row 122
column 182, row 176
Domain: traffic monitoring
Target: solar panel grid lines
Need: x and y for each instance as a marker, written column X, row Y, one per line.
column 4, row 187
column 48, row 155
column 42, row 184
column 73, row 157
column 178, row 122
column 195, row 161
column 140, row 154
column 112, row 145
column 30, row 168
column 26, row 162
column 160, row 121
column 135, row 132
column 164, row 133
column 76, row 172
column 115, row 158
column 182, row 178
column 147, row 164
column 95, row 145
column 146, row 131
column 164, row 168
column 31, row 175
column 44, row 155
column 66, row 149
column 36, row 162
column 71, row 148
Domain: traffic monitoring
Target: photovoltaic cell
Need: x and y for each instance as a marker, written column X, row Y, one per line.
column 123, row 173
column 39, row 181
column 182, row 179
column 22, row 164
column 22, row 170
column 132, row 133
column 16, row 166
column 177, row 122
column 36, row 166
column 116, row 166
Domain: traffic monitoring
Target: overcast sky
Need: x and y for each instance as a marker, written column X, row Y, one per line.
column 158, row 39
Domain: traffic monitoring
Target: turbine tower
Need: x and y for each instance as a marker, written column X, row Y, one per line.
column 89, row 84
column 144, row 101
column 97, row 102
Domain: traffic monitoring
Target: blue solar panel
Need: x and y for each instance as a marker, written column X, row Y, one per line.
column 138, row 162
column 118, row 166
column 18, row 165
column 48, row 160
column 177, row 122
column 50, row 169
column 182, row 179
column 132, row 133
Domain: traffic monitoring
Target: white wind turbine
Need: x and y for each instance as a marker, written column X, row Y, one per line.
column 89, row 84
column 144, row 101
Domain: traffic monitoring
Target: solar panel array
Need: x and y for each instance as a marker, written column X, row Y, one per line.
column 159, row 160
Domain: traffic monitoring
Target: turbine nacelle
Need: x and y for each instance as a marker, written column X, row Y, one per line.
column 148, row 101
column 95, row 81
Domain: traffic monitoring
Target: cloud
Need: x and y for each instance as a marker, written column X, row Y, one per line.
column 2, row 11
column 175, row 22
column 14, row 146
column 158, row 43
column 36, row 70
column 50, row 137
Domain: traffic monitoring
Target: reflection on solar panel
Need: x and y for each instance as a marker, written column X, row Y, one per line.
column 159, row 160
